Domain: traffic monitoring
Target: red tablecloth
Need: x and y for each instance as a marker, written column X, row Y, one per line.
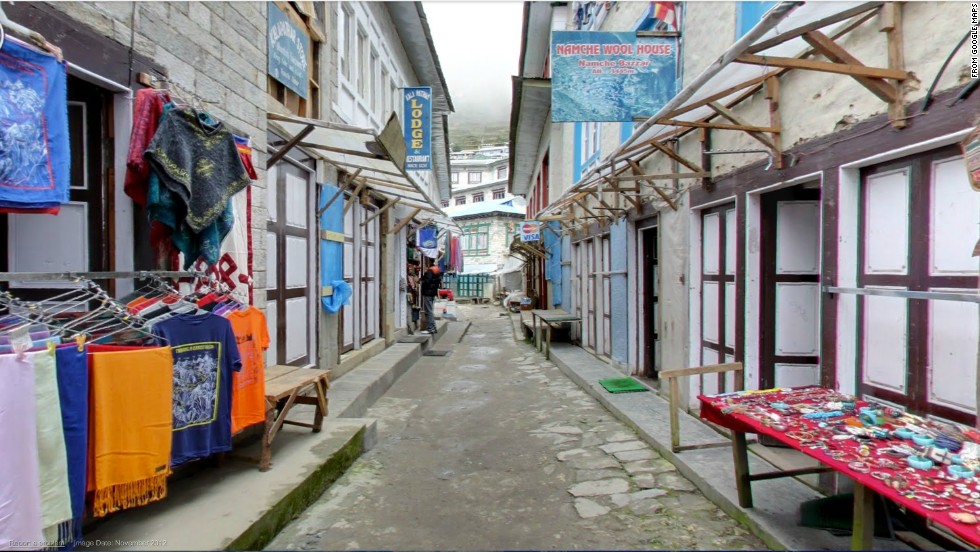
column 711, row 410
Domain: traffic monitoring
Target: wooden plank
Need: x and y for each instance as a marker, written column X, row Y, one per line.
column 277, row 370
column 834, row 52
column 282, row 415
column 892, row 15
column 664, row 176
column 822, row 66
column 775, row 119
column 723, row 94
column 330, row 235
column 354, row 195
column 663, row 195
column 789, row 473
column 814, row 26
column 281, row 152
column 698, row 370
column 387, row 206
column 719, row 126
column 300, row 378
column 405, row 221
column 718, row 444
column 675, row 156
column 619, row 191
column 338, row 193
column 733, row 117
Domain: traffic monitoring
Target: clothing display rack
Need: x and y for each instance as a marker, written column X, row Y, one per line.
column 140, row 275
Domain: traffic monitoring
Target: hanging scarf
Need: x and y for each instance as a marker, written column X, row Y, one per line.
column 197, row 158
column 34, row 149
column 55, row 498
column 72, row 368
column 131, row 426
column 20, row 494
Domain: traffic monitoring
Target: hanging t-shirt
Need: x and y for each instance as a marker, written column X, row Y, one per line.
column 248, row 398
column 205, row 355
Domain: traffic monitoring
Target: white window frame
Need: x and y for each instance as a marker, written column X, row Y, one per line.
column 470, row 177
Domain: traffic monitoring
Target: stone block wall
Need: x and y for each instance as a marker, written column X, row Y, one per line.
column 214, row 49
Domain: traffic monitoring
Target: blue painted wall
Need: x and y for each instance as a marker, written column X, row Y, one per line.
column 619, row 315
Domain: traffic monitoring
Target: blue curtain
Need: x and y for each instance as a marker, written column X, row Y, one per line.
column 332, row 252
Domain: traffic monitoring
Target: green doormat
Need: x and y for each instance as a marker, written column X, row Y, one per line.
column 621, row 385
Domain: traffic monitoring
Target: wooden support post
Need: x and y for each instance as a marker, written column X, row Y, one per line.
column 891, row 16
column 387, row 206
column 740, row 453
column 338, row 193
column 675, row 429
column 637, row 170
column 354, row 195
column 823, row 66
column 775, row 120
column 731, row 116
column 823, row 45
column 405, row 221
column 673, row 155
column 863, row 531
column 706, row 182
column 281, row 152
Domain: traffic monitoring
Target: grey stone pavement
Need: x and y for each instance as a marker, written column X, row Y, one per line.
column 492, row 447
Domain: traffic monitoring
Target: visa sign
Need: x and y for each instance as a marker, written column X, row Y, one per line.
column 530, row 231
column 418, row 128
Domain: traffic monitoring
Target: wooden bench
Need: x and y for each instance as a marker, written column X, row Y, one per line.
column 285, row 387
column 672, row 376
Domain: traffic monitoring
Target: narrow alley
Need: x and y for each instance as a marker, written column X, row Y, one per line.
column 491, row 447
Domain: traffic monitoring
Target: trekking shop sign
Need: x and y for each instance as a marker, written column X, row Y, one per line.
column 610, row 77
column 418, row 128
column 530, row 231
column 288, row 47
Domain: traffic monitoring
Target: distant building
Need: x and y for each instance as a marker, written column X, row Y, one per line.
column 488, row 227
column 478, row 178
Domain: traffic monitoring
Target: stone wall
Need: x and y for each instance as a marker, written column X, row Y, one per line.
column 214, row 49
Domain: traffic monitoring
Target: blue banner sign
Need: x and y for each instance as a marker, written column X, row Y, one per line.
column 610, row 77
column 418, row 128
column 288, row 48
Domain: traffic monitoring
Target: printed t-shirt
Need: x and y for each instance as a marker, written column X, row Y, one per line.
column 205, row 355
column 248, row 399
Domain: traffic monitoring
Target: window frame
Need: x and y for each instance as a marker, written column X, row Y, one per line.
column 478, row 197
column 470, row 177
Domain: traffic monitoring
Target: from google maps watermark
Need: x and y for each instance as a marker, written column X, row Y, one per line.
column 86, row 543
column 974, row 47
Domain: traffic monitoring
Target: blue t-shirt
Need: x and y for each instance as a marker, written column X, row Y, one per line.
column 205, row 353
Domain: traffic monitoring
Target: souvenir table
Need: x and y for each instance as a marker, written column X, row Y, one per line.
column 923, row 465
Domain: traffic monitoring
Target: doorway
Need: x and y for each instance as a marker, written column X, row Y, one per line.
column 790, row 301
column 651, row 308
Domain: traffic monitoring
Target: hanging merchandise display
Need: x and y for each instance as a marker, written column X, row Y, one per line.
column 130, row 435
column 428, row 241
column 34, row 147
column 110, row 421
column 205, row 354
column 248, row 398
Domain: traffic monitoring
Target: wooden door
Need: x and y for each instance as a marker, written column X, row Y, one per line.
column 289, row 288
column 918, row 226
column 718, row 294
column 790, row 329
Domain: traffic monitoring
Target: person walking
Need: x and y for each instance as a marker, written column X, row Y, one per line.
column 429, row 286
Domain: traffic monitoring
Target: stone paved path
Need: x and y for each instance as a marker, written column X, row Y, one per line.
column 493, row 447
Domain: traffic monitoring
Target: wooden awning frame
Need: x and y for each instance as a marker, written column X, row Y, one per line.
column 884, row 82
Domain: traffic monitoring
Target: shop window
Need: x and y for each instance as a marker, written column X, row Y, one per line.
column 345, row 31
column 498, row 193
column 476, row 239
column 445, row 203
column 461, row 200
column 474, row 177
column 478, row 197
column 501, row 172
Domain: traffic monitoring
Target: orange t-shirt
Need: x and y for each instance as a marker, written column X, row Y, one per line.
column 248, row 395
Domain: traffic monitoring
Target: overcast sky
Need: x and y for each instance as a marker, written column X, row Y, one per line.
column 478, row 44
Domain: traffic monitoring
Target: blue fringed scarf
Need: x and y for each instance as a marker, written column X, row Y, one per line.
column 34, row 149
column 72, row 368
